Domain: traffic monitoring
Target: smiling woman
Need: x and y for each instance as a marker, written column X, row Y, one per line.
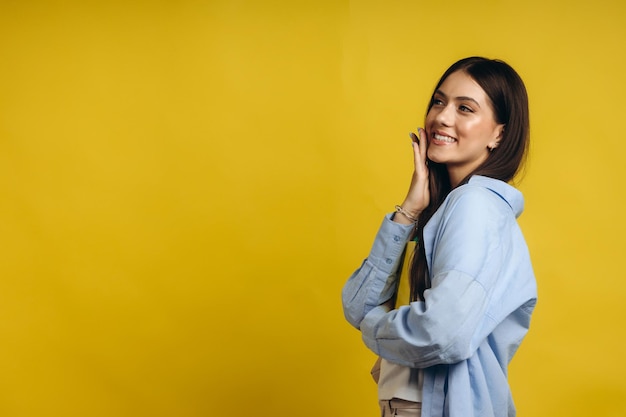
column 461, row 125
column 445, row 349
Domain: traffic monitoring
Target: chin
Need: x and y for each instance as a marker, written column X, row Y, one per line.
column 435, row 159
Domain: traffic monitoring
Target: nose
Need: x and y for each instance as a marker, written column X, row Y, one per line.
column 445, row 116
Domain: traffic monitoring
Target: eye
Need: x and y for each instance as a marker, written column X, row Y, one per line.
column 437, row 101
column 466, row 109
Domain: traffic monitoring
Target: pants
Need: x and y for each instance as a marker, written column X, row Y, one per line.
column 400, row 408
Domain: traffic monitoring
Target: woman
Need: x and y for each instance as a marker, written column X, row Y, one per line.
column 445, row 352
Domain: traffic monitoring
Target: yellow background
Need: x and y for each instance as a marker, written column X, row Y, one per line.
column 186, row 185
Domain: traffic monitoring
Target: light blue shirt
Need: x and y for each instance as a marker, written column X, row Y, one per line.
column 474, row 316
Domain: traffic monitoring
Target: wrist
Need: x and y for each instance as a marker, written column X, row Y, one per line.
column 412, row 216
column 411, row 210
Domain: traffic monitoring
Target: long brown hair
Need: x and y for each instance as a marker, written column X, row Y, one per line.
column 509, row 100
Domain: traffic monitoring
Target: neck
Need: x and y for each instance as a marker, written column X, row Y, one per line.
column 458, row 172
column 456, row 176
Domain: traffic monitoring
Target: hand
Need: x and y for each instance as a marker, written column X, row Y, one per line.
column 418, row 196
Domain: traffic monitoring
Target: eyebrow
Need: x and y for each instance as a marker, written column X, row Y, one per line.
column 460, row 98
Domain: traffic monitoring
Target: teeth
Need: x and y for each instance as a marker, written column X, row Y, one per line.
column 444, row 138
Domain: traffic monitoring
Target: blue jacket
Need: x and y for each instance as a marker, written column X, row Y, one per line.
column 474, row 316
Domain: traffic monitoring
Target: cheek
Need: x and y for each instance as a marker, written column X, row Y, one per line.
column 480, row 127
column 428, row 121
column 473, row 128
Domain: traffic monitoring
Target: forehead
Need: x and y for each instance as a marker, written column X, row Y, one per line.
column 460, row 84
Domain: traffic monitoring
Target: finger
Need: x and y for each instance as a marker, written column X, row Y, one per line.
column 419, row 151
column 415, row 142
column 424, row 147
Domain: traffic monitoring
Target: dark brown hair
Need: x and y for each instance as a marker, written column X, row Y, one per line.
column 509, row 100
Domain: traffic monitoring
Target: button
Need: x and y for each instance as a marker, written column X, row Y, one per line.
column 389, row 261
column 396, row 238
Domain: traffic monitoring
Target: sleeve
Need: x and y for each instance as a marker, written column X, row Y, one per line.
column 374, row 282
column 467, row 256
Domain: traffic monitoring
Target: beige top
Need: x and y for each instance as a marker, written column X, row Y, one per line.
column 396, row 381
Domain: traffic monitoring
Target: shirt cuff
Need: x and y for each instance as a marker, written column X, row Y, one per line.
column 389, row 244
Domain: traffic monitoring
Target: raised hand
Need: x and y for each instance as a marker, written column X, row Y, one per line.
column 418, row 196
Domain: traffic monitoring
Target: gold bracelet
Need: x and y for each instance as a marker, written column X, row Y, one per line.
column 402, row 211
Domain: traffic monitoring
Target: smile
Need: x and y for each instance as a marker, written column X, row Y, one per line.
column 442, row 138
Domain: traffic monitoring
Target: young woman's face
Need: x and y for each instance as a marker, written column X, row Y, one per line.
column 461, row 126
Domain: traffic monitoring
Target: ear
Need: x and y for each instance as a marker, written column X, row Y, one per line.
column 496, row 142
